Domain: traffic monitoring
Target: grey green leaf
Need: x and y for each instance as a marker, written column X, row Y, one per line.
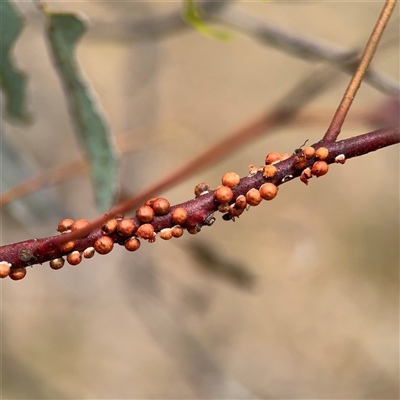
column 64, row 32
column 12, row 80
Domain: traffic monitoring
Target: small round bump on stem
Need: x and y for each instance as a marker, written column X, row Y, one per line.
column 145, row 214
column 17, row 274
column 322, row 153
column 67, row 247
column 166, row 233
column 223, row 194
column 201, row 188
column 103, row 245
column 272, row 157
column 268, row 191
column 145, row 231
column 253, row 197
column 5, row 268
column 109, row 227
column 161, row 206
column 341, row 159
column 89, row 252
column 241, row 202
column 177, row 231
column 132, row 244
column 230, row 179
column 179, row 216
column 126, row 227
column 234, row 211
column 65, row 225
column 194, row 230
column 57, row 263
column 79, row 224
column 319, row 168
column 309, row 152
column 74, row 258
column 269, row 171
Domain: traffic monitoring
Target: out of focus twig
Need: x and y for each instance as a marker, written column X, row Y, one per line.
column 355, row 82
column 303, row 46
column 71, row 170
column 300, row 45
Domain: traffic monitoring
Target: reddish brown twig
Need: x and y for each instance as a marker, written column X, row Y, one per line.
column 37, row 251
column 340, row 115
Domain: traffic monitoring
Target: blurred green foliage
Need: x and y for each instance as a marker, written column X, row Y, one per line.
column 192, row 15
column 12, row 80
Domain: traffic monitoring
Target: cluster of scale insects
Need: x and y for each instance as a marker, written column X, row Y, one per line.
column 129, row 235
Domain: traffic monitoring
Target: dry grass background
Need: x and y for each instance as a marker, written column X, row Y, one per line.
column 321, row 319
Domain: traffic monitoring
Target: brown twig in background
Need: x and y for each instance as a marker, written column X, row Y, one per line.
column 52, row 176
column 60, row 173
column 161, row 26
column 304, row 47
column 338, row 119
column 70, row 170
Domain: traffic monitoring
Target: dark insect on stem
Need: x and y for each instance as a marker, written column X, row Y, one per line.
column 228, row 217
column 300, row 159
column 300, row 150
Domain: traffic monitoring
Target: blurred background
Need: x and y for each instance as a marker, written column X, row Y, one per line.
column 298, row 298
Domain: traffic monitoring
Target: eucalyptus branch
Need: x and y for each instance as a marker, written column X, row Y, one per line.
column 198, row 212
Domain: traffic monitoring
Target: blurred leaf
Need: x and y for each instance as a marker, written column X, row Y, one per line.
column 64, row 31
column 192, row 15
column 220, row 265
column 12, row 80
column 37, row 210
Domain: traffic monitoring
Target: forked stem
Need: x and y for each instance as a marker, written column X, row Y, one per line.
column 340, row 115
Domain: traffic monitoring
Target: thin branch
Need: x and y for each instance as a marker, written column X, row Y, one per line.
column 351, row 91
column 37, row 251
